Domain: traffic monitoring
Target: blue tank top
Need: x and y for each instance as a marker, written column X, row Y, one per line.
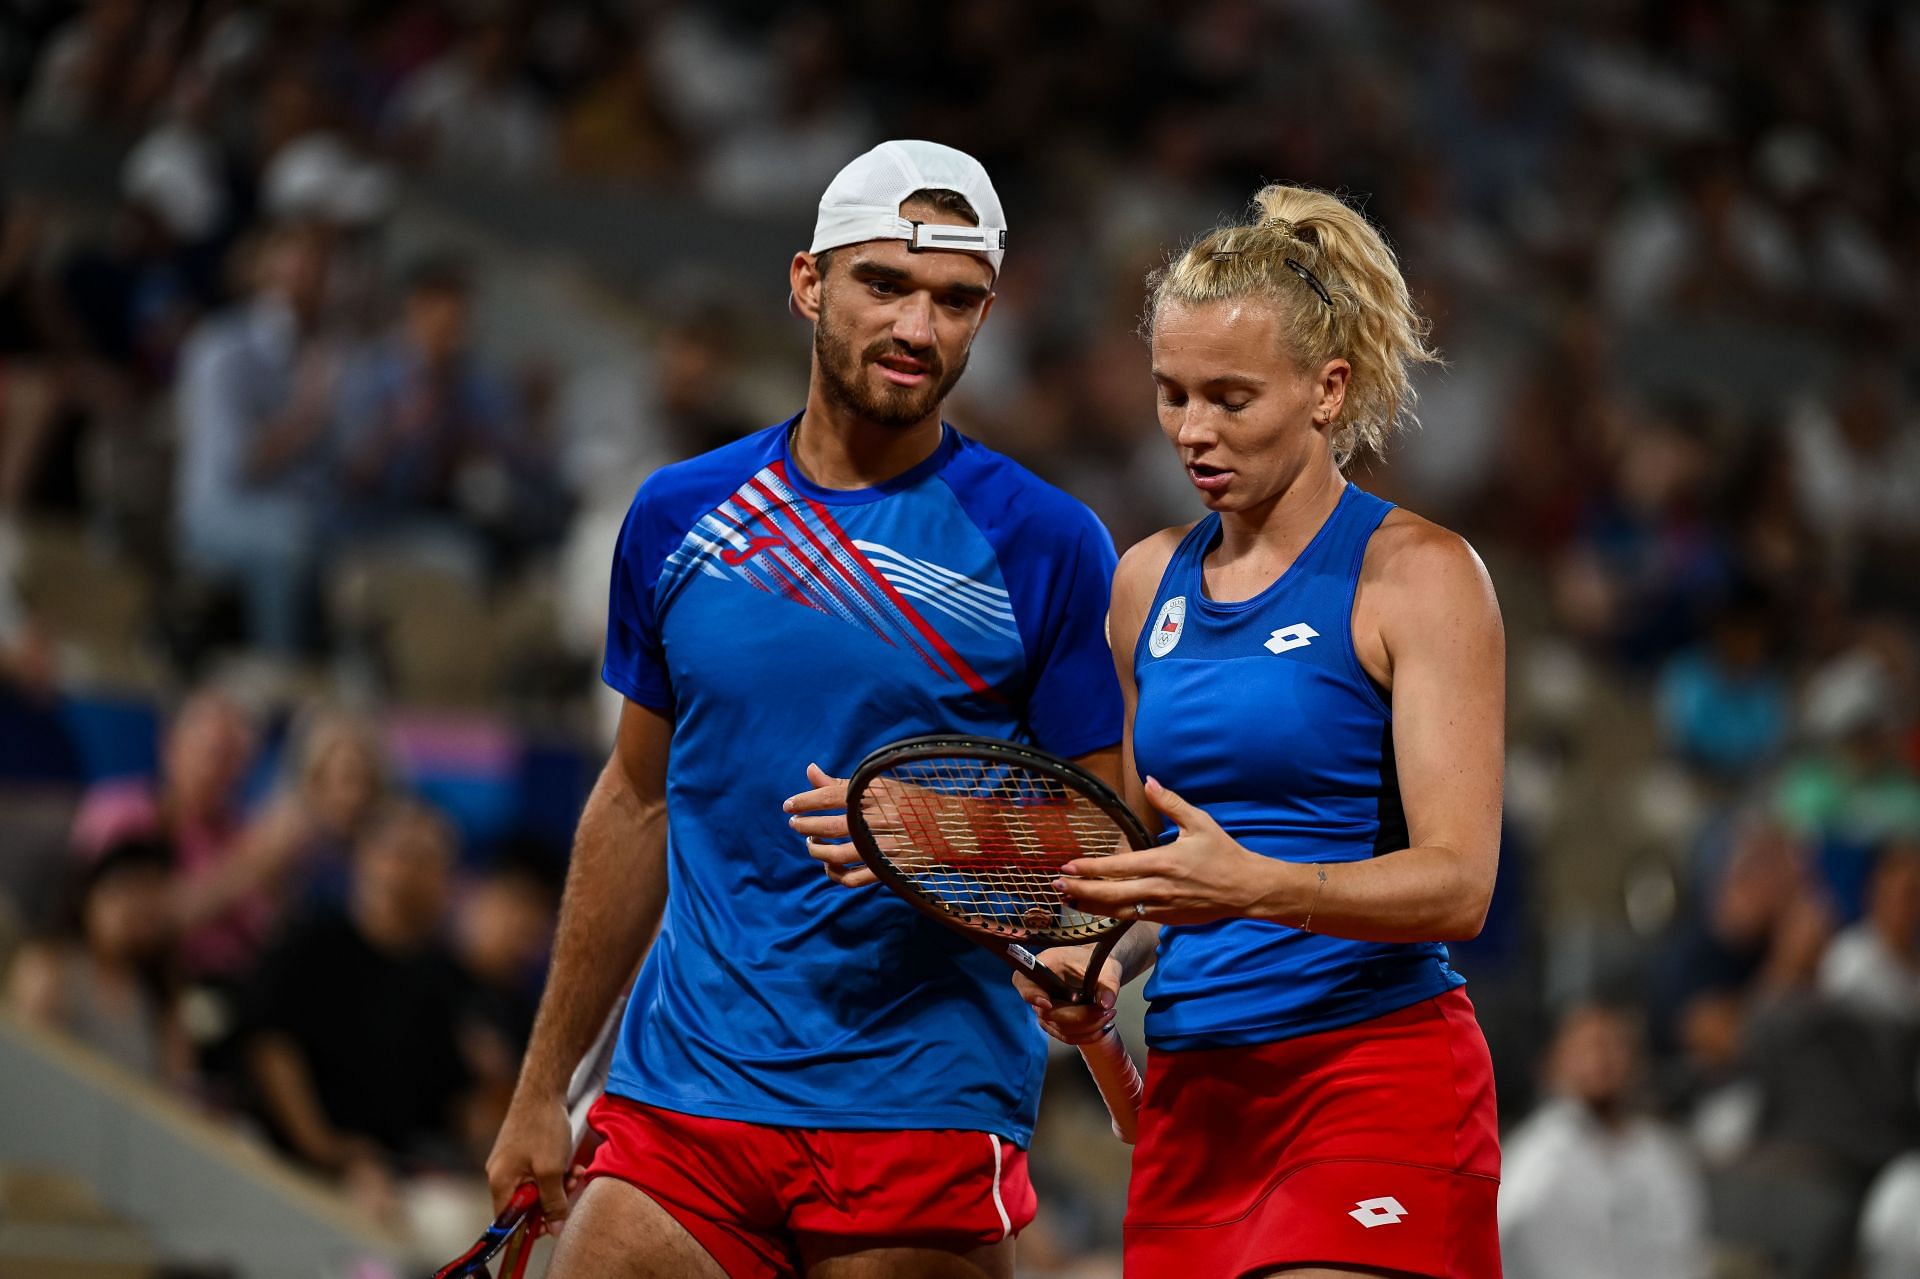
column 1259, row 712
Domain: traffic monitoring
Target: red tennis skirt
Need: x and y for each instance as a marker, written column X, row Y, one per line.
column 1372, row 1146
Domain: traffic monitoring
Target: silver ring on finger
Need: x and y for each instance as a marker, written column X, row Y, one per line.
column 1139, row 910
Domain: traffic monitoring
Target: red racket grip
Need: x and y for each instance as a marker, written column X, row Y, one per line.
column 1118, row 1080
column 525, row 1196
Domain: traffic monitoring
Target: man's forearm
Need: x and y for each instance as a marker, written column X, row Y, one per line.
column 616, row 890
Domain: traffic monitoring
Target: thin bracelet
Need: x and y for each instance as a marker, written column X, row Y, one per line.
column 1319, row 888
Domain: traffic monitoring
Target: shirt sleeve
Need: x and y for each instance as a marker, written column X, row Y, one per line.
column 636, row 659
column 1073, row 700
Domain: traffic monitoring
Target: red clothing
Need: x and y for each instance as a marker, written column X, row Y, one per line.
column 129, row 808
column 1373, row 1145
column 754, row 1195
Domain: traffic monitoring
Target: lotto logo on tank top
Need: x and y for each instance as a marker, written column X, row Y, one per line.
column 1167, row 626
column 1299, row 635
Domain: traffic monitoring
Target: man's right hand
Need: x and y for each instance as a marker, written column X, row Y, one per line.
column 535, row 1144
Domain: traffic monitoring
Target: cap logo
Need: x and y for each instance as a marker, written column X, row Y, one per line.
column 966, row 239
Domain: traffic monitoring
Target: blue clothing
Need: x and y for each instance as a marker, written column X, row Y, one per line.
column 1727, row 720
column 1258, row 711
column 420, row 424
column 780, row 623
column 237, row 375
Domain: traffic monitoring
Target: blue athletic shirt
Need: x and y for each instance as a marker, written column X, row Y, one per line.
column 1258, row 711
column 779, row 623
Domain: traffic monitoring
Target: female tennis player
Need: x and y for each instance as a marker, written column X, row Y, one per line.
column 1314, row 685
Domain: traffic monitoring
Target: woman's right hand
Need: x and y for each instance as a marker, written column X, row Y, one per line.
column 1073, row 1023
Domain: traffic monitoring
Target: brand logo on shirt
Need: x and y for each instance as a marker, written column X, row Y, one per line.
column 1384, row 1211
column 1299, row 635
column 778, row 542
column 1167, row 627
column 741, row 554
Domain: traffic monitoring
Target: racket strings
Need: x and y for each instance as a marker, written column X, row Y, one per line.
column 985, row 839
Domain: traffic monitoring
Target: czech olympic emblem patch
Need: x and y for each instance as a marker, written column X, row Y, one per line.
column 1167, row 627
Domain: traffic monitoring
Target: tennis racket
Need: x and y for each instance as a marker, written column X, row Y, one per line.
column 522, row 1222
column 513, row 1232
column 974, row 831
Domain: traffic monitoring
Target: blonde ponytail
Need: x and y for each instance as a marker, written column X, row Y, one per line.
column 1337, row 288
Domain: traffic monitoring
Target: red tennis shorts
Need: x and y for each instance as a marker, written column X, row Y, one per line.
column 760, row 1198
column 1372, row 1146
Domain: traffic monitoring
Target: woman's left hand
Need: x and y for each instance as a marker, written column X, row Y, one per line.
column 1203, row 875
column 820, row 814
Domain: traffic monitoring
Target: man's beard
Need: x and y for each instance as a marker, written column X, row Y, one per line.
column 843, row 376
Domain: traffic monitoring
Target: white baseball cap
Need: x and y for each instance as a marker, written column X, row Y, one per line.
column 863, row 201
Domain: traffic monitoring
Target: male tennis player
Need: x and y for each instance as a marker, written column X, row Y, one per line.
column 811, row 1081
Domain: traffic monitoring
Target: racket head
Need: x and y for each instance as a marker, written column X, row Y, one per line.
column 973, row 831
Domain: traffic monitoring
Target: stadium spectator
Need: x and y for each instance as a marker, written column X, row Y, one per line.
column 107, row 65
column 353, row 1041
column 30, row 387
column 502, row 926
column 1890, row 1222
column 472, row 111
column 618, row 127
column 178, row 173
column 194, row 808
column 1760, row 913
column 1873, row 966
column 1648, row 565
column 1725, row 705
column 107, row 978
column 111, row 307
column 1699, row 242
column 256, row 416
column 425, row 414
column 1857, row 463
column 1854, row 787
column 1592, row 1186
column 297, row 850
column 1833, row 1104
column 784, row 158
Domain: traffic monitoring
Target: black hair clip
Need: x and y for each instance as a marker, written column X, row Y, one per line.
column 1313, row 281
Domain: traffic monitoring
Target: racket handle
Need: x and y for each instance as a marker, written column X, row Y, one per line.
column 1118, row 1080
column 513, row 1263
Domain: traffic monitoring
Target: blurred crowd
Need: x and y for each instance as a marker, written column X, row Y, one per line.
column 1672, row 254
column 312, row 960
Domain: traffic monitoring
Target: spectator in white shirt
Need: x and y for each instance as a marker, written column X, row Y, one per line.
column 256, row 402
column 1591, row 1188
column 1873, row 966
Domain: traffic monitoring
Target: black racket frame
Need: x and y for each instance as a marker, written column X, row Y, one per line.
column 1009, row 945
